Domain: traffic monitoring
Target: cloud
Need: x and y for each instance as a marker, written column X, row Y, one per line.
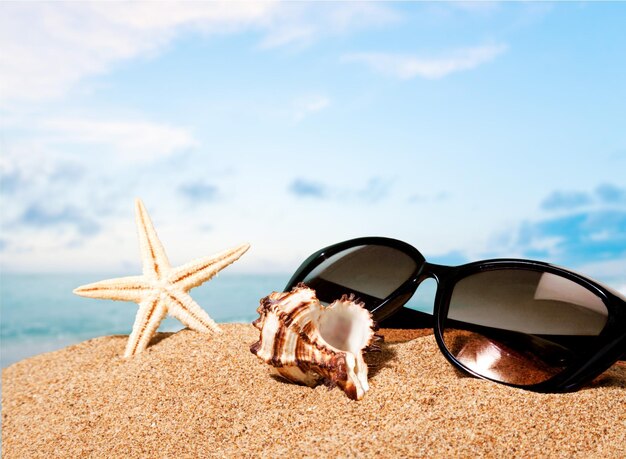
column 67, row 42
column 308, row 105
column 565, row 200
column 604, row 194
column 31, row 169
column 199, row 192
column 611, row 194
column 67, row 172
column 300, row 24
column 374, row 190
column 10, row 181
column 70, row 41
column 40, row 216
column 132, row 140
column 307, row 189
column 423, row 198
column 408, row 66
column 582, row 237
column 288, row 34
column 584, row 230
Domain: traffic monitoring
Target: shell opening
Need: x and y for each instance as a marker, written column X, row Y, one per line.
column 345, row 326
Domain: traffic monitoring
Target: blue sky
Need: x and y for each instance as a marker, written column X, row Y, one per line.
column 470, row 130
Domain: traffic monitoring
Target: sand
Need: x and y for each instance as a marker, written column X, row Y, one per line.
column 194, row 395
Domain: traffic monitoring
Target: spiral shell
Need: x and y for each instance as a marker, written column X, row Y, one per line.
column 308, row 343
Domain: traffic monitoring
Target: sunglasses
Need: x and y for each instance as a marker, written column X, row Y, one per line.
column 522, row 323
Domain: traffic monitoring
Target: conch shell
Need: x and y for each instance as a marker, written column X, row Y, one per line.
column 308, row 343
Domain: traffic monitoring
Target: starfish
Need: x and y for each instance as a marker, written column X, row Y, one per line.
column 161, row 289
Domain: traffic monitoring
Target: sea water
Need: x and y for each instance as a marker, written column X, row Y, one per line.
column 39, row 312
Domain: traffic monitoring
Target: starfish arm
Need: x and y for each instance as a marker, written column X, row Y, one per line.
column 197, row 271
column 185, row 309
column 149, row 316
column 132, row 288
column 155, row 262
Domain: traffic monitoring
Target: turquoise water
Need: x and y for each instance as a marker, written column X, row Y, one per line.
column 39, row 312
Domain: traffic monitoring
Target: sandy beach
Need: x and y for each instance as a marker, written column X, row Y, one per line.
column 195, row 395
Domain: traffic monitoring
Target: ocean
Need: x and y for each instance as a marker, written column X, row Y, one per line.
column 39, row 313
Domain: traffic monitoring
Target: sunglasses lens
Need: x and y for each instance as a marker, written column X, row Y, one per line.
column 519, row 326
column 371, row 272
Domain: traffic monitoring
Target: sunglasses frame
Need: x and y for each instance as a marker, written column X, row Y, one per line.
column 609, row 347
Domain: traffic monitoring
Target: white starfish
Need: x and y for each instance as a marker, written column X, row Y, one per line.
column 161, row 289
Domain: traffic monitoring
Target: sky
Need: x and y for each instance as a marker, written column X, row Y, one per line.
column 470, row 130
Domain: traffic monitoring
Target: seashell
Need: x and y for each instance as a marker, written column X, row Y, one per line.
column 308, row 343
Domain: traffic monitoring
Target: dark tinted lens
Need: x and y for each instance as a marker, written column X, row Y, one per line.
column 371, row 272
column 521, row 327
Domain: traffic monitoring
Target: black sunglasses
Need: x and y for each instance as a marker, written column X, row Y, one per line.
column 522, row 323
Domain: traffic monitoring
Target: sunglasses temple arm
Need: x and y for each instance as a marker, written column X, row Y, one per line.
column 601, row 362
column 408, row 318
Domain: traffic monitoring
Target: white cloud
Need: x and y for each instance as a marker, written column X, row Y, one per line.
column 287, row 35
column 32, row 165
column 309, row 105
column 48, row 47
column 610, row 272
column 132, row 141
column 407, row 66
column 609, row 269
column 299, row 24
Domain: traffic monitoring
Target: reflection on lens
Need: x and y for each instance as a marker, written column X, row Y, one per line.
column 371, row 272
column 519, row 326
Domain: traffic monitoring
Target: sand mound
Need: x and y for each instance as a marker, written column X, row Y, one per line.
column 194, row 395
